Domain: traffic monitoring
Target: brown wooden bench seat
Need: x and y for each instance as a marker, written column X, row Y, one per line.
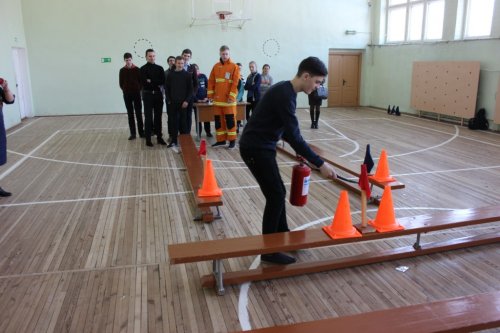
column 194, row 166
column 395, row 185
column 217, row 250
column 461, row 314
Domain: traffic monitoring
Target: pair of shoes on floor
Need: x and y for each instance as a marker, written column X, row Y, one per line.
column 132, row 137
column 278, row 258
column 4, row 193
column 161, row 141
column 219, row 144
column 314, row 125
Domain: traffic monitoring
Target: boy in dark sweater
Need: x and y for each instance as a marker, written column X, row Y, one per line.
column 274, row 118
column 130, row 83
column 179, row 90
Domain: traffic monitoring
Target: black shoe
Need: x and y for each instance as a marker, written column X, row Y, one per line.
column 232, row 144
column 209, row 135
column 4, row 193
column 149, row 143
column 141, row 135
column 316, row 125
column 312, row 124
column 219, row 144
column 397, row 111
column 132, row 137
column 172, row 144
column 278, row 258
column 161, row 141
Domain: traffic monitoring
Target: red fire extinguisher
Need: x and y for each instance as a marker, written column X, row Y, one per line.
column 301, row 175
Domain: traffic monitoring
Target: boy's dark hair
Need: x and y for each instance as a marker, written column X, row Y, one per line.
column 239, row 64
column 170, row 57
column 149, row 50
column 127, row 55
column 266, row 65
column 179, row 58
column 313, row 66
column 187, row 51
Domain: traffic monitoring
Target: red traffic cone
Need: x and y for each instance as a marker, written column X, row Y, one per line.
column 341, row 226
column 386, row 220
column 209, row 187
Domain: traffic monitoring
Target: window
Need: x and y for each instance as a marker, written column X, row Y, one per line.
column 414, row 20
column 478, row 18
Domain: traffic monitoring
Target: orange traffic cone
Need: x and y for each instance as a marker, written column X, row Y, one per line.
column 209, row 187
column 385, row 219
column 341, row 226
column 382, row 174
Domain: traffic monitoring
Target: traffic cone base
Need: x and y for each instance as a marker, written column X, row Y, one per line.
column 341, row 226
column 386, row 220
column 383, row 179
column 393, row 227
column 209, row 187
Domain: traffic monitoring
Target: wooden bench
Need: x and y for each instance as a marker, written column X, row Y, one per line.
column 461, row 314
column 194, row 166
column 205, row 113
column 395, row 185
column 217, row 250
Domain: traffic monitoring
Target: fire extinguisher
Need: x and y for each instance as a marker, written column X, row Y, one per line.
column 301, row 175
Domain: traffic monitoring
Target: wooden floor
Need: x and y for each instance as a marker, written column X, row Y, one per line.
column 83, row 239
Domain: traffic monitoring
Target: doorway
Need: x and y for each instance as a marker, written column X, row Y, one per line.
column 23, row 87
column 344, row 78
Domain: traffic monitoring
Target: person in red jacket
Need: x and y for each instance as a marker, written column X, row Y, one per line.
column 222, row 90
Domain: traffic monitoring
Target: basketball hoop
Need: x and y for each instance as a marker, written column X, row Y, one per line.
column 223, row 14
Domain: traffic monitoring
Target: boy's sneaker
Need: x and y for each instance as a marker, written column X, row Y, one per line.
column 232, row 144
column 171, row 145
column 219, row 144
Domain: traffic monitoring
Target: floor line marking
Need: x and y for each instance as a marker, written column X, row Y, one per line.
column 21, row 161
column 23, row 127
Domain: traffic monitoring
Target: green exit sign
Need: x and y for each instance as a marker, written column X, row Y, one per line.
column 104, row 60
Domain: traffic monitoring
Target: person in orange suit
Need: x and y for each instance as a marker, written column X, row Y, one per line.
column 222, row 90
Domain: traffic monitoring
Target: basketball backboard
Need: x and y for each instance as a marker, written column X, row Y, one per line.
column 226, row 13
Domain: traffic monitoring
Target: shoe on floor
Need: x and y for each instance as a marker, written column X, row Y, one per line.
column 171, row 144
column 316, row 125
column 219, row 144
column 312, row 124
column 132, row 137
column 232, row 144
column 278, row 258
column 161, row 141
column 141, row 135
column 4, row 193
column 149, row 143
column 209, row 135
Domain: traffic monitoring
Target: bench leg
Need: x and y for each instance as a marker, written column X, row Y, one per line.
column 417, row 246
column 219, row 282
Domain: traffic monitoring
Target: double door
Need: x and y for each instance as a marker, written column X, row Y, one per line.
column 343, row 78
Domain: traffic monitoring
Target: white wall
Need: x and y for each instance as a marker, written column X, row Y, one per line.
column 11, row 35
column 388, row 68
column 67, row 39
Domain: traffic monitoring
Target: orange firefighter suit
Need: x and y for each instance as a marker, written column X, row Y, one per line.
column 223, row 89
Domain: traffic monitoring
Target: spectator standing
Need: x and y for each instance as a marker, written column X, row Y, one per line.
column 130, row 83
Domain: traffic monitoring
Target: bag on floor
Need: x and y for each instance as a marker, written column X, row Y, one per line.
column 479, row 121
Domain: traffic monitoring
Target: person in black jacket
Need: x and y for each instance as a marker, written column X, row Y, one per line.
column 314, row 107
column 253, row 87
column 274, row 119
column 186, row 56
column 179, row 91
column 152, row 79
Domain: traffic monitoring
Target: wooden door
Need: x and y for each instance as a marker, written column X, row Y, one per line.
column 343, row 79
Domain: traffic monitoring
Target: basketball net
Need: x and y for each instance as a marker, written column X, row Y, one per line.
column 224, row 23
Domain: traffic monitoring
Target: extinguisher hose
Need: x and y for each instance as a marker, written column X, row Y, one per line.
column 303, row 160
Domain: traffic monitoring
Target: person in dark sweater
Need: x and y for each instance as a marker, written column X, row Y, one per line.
column 7, row 97
column 170, row 68
column 314, row 108
column 179, row 89
column 152, row 80
column 253, row 88
column 186, row 55
column 200, row 96
column 130, row 83
column 274, row 119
